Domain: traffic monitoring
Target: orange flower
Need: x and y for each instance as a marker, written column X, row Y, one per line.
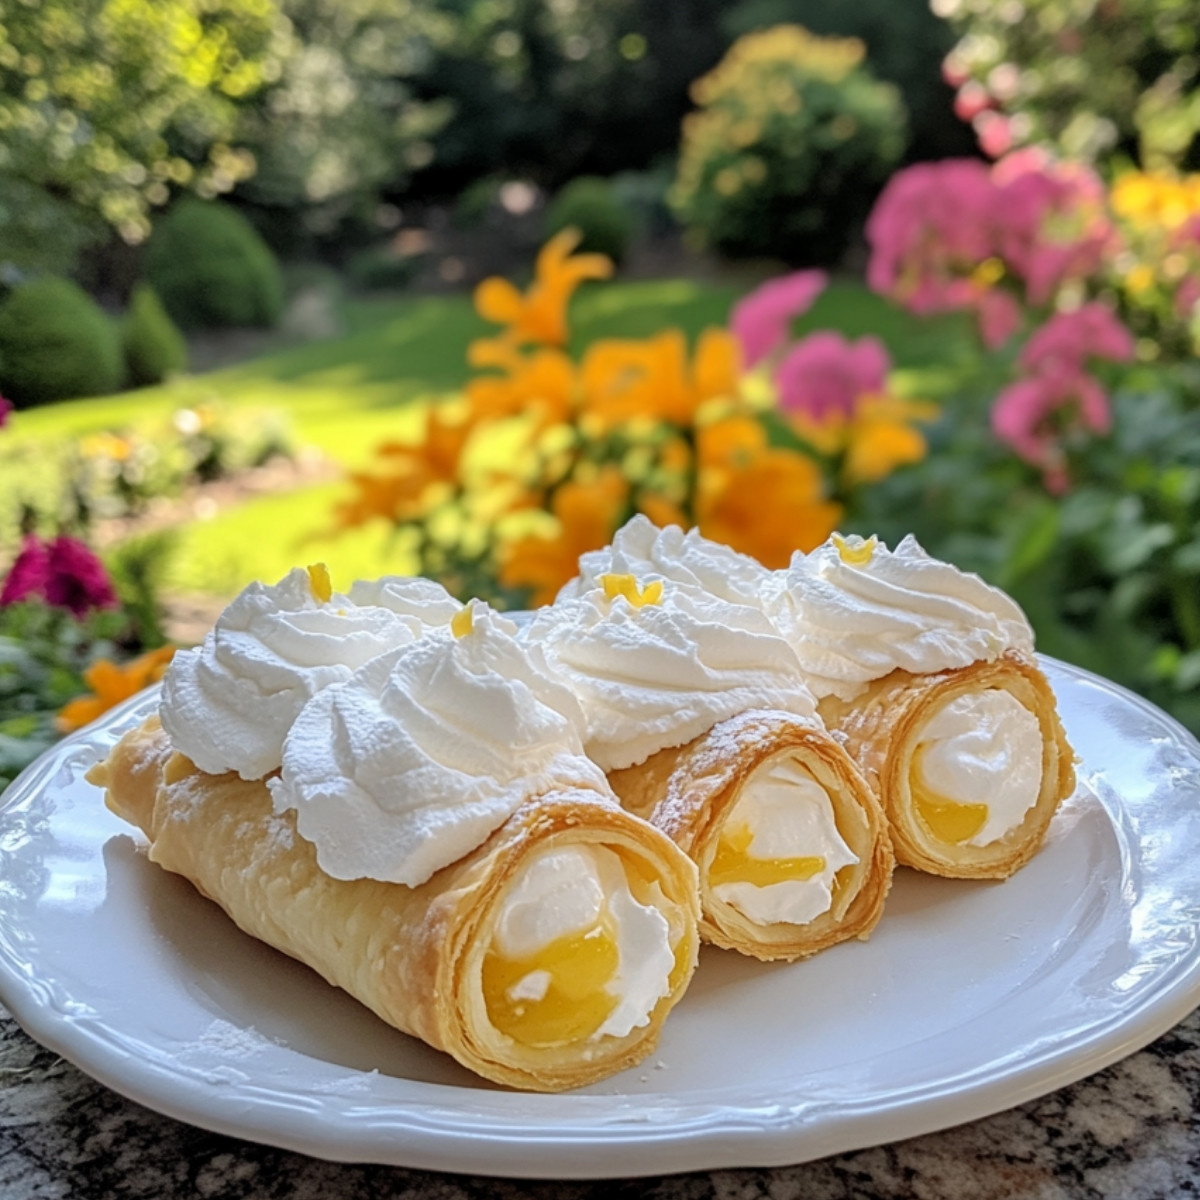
column 111, row 684
column 729, row 441
column 587, row 514
column 542, row 383
column 880, row 438
column 769, row 506
column 540, row 314
column 624, row 379
column 398, row 493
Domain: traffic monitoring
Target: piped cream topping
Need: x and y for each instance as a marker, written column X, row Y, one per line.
column 583, row 891
column 978, row 765
column 642, row 549
column 654, row 674
column 416, row 758
column 782, row 824
column 228, row 704
column 854, row 611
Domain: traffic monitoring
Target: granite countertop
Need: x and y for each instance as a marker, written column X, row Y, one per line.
column 1131, row 1131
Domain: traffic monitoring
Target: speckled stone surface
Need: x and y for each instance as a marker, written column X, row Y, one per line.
column 1130, row 1132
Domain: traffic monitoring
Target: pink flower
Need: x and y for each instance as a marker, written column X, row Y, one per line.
column 999, row 316
column 1069, row 339
column 929, row 229
column 760, row 321
column 6, row 407
column 1187, row 297
column 994, row 133
column 971, row 99
column 63, row 572
column 826, row 376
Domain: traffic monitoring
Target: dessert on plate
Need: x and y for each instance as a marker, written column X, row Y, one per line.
column 930, row 674
column 698, row 712
column 430, row 836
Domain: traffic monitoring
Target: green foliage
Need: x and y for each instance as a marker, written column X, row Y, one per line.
column 43, row 654
column 154, row 347
column 56, row 343
column 1109, row 573
column 381, row 268
column 906, row 43
column 1088, row 76
column 211, row 268
column 792, row 141
column 109, row 103
column 592, row 206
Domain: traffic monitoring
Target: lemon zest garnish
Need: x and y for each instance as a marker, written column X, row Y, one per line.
column 627, row 586
column 856, row 553
column 318, row 580
column 463, row 621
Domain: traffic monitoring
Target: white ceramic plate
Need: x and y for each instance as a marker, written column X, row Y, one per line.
column 969, row 998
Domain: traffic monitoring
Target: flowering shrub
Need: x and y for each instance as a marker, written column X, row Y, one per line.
column 727, row 435
column 792, row 139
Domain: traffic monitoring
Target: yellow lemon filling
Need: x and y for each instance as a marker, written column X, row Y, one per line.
column 627, row 586
column 463, row 622
column 948, row 820
column 571, row 973
column 733, row 863
column 320, row 583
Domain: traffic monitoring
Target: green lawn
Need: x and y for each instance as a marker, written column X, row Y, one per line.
column 344, row 395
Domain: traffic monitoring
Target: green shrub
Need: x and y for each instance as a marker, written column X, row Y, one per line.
column 212, row 269
column 56, row 343
column 792, row 141
column 154, row 347
column 590, row 205
column 381, row 268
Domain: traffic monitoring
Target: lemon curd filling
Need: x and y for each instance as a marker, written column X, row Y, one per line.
column 780, row 857
column 977, row 768
column 733, row 862
column 581, row 950
column 558, row 994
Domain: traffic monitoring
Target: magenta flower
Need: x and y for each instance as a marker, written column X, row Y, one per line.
column 826, row 376
column 6, row 407
column 63, row 572
column 760, row 321
column 27, row 576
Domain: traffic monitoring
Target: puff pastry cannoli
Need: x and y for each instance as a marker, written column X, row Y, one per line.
column 930, row 674
column 699, row 713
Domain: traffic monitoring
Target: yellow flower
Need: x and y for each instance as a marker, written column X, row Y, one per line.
column 110, row 684
column 540, row 314
column 587, row 513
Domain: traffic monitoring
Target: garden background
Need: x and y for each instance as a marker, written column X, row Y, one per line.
column 457, row 286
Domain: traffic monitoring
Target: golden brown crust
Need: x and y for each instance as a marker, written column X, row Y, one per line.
column 882, row 729
column 688, row 791
column 412, row 955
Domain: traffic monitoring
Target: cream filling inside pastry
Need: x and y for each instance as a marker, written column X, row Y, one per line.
column 977, row 768
column 575, row 955
column 780, row 849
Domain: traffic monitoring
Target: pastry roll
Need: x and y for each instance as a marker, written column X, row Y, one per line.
column 699, row 713
column 930, row 675
column 470, row 960
column 788, row 838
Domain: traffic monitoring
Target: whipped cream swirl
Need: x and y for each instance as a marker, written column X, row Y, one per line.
column 855, row 611
column 414, row 760
column 229, row 703
column 664, row 672
column 642, row 549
